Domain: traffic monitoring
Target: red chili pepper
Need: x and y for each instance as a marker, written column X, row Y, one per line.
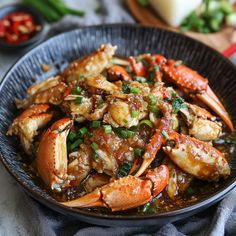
column 17, row 27
column 2, row 29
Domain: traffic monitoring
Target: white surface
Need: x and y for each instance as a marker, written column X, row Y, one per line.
column 174, row 11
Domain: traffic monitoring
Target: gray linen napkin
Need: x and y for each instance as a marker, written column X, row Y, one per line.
column 20, row 215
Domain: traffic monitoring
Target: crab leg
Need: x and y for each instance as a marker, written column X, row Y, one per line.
column 125, row 193
column 196, row 157
column 191, row 82
column 156, row 141
column 51, row 159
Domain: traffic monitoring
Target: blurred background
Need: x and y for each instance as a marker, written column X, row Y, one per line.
column 212, row 22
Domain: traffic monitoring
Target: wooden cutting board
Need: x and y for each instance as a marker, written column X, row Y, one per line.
column 146, row 16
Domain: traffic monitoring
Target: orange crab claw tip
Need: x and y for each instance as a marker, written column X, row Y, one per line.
column 160, row 178
column 92, row 199
column 210, row 102
column 210, row 93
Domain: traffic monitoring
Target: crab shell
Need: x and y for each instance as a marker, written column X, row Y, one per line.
column 196, row 157
column 125, row 193
column 51, row 159
column 27, row 124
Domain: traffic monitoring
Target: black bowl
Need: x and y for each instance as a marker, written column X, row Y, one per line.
column 37, row 19
column 131, row 40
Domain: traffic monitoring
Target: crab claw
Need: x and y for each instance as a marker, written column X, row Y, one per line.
column 51, row 159
column 26, row 125
column 196, row 157
column 191, row 82
column 125, row 193
column 118, row 72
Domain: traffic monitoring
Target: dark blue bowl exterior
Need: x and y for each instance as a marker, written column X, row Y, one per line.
column 131, row 40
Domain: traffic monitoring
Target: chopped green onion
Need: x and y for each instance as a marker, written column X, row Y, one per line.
column 76, row 91
column 71, row 136
column 126, row 121
column 124, row 133
column 190, row 190
column 151, row 78
column 164, row 134
column 81, row 77
column 177, row 104
column 96, row 124
column 130, row 133
column 146, row 122
column 153, row 109
column 134, row 114
column 148, row 208
column 83, row 131
column 99, row 102
column 95, row 156
column 107, row 129
column 94, row 146
column 125, row 169
column 152, row 100
column 138, row 152
column 135, row 90
column 156, row 68
column 79, row 100
column 140, row 79
column 76, row 144
column 125, row 87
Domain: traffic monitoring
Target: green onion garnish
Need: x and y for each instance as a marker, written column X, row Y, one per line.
column 135, row 90
column 94, row 146
column 76, row 91
column 76, row 144
column 156, row 68
column 190, row 190
column 83, row 131
column 148, row 208
column 125, row 169
column 177, row 104
column 79, row 100
column 71, row 136
column 164, row 134
column 95, row 156
column 153, row 109
column 134, row 114
column 126, row 121
column 138, row 152
column 125, row 87
column 96, row 124
column 107, row 129
column 146, row 122
column 153, row 100
column 99, row 102
column 81, row 77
